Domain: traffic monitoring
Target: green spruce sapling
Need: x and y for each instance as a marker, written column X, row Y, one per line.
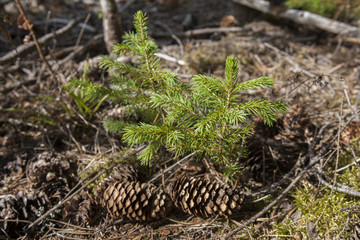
column 131, row 84
column 207, row 115
column 210, row 118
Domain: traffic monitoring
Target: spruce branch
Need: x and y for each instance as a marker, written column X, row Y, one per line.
column 256, row 83
column 93, row 92
column 210, row 88
column 231, row 72
column 263, row 108
column 175, row 103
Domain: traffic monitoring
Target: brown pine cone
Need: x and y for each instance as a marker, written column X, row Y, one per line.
column 351, row 131
column 27, row 205
column 276, row 148
column 296, row 123
column 125, row 172
column 52, row 173
column 204, row 197
column 79, row 210
column 134, row 200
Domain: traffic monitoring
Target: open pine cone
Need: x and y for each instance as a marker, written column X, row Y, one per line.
column 204, row 197
column 80, row 209
column 276, row 148
column 27, row 205
column 52, row 173
column 134, row 200
column 350, row 132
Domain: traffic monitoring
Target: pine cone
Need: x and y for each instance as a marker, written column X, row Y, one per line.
column 25, row 205
column 203, row 197
column 79, row 210
column 125, row 172
column 350, row 132
column 295, row 124
column 134, row 200
column 276, row 148
column 52, row 173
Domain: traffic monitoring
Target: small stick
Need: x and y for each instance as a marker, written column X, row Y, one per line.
column 82, row 31
column 349, row 165
column 195, row 32
column 342, row 189
column 36, row 41
column 80, row 49
column 170, row 59
column 26, row 48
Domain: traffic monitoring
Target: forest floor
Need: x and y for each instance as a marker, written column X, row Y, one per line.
column 50, row 140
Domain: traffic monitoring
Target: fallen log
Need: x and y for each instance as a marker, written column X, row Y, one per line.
column 304, row 17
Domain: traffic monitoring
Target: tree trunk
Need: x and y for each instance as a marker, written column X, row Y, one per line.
column 111, row 24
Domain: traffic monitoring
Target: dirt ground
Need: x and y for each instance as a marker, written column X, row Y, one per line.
column 50, row 147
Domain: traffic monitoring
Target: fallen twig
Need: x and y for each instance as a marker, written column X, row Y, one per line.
column 349, row 165
column 289, row 59
column 27, row 48
column 341, row 188
column 30, row 28
column 63, row 21
column 170, row 59
column 196, row 32
column 81, row 49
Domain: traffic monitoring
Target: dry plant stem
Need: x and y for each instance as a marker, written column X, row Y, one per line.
column 62, row 202
column 73, row 226
column 36, row 41
column 82, row 30
column 349, row 208
column 352, row 152
column 348, row 100
column 27, row 48
column 289, row 59
column 286, row 177
column 357, row 105
column 182, row 51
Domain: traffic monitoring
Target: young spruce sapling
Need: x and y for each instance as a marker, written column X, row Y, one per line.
column 206, row 115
